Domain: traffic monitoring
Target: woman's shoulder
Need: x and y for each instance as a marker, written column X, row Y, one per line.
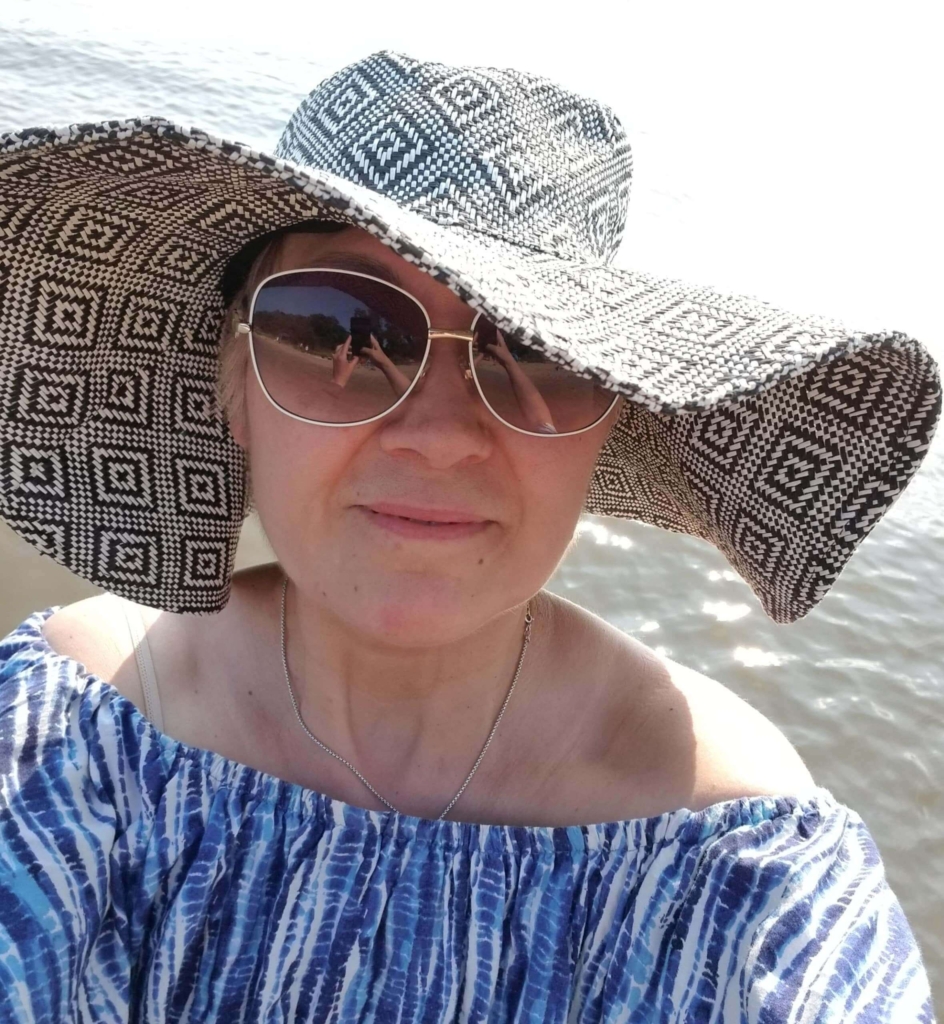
column 95, row 633
column 59, row 728
column 668, row 731
column 192, row 664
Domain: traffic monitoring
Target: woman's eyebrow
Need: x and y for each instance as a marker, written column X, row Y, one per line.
column 364, row 264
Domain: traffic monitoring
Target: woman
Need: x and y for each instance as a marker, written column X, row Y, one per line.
column 471, row 799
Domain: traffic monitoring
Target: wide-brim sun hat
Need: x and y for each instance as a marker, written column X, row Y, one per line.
column 780, row 438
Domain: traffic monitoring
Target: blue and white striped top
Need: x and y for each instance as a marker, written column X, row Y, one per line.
column 144, row 879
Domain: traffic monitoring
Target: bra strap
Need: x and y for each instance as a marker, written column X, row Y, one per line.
column 142, row 655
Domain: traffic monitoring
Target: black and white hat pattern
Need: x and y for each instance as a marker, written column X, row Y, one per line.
column 780, row 438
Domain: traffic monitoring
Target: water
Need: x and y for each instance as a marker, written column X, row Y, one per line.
column 857, row 684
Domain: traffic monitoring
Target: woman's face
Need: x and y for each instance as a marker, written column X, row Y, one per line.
column 337, row 504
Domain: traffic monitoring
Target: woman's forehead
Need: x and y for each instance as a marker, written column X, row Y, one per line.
column 299, row 249
column 358, row 250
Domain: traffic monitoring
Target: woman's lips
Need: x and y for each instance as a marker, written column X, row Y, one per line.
column 424, row 524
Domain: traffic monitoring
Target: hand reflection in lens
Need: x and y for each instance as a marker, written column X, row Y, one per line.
column 342, row 365
column 533, row 408
column 398, row 381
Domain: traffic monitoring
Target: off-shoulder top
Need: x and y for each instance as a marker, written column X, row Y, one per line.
column 142, row 879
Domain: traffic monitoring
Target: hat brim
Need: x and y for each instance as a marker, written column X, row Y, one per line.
column 781, row 438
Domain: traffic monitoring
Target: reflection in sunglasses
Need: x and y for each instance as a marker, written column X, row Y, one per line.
column 344, row 363
column 532, row 408
column 320, row 336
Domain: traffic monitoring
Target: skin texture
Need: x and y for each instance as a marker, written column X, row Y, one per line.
column 401, row 649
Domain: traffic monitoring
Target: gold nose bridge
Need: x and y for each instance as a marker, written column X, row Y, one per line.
column 461, row 335
column 466, row 336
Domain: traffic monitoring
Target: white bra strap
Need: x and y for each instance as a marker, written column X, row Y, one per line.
column 142, row 655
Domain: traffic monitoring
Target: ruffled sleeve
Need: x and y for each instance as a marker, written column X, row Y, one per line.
column 832, row 943
column 65, row 811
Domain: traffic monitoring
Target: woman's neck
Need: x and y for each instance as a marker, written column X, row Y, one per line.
column 413, row 714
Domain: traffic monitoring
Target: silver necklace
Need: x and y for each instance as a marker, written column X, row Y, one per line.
column 528, row 619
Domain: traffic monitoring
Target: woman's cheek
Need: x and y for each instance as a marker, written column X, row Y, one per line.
column 557, row 485
column 288, row 471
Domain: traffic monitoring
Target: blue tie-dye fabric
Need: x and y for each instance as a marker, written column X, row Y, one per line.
column 145, row 880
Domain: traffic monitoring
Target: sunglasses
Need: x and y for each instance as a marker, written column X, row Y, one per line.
column 340, row 348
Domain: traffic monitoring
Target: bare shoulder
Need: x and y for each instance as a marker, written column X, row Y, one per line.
column 195, row 707
column 735, row 750
column 94, row 632
column 680, row 737
column 190, row 652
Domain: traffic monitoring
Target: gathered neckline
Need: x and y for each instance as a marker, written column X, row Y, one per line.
column 735, row 811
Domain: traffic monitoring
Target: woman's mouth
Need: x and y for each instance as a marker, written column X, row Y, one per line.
column 424, row 524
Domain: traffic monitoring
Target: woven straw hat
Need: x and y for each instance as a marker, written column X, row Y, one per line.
column 782, row 439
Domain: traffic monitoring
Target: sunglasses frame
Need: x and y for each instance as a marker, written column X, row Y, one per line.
column 431, row 333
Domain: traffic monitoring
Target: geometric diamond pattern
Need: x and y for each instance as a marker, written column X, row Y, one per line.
column 147, row 323
column 49, row 537
column 177, row 260
column 64, row 313
column 679, row 320
column 127, row 398
column 123, row 476
column 344, row 101
column 14, row 216
column 797, row 472
column 205, row 563
column 393, row 152
column 200, row 488
column 125, row 557
column 467, row 98
column 780, row 438
column 786, row 483
column 759, row 545
column 470, row 147
column 86, row 234
column 195, row 409
column 48, row 397
column 36, row 472
column 227, row 217
column 849, row 390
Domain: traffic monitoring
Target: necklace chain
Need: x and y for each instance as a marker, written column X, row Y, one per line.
column 528, row 619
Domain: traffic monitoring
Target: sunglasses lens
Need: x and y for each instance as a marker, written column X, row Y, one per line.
column 334, row 347
column 530, row 391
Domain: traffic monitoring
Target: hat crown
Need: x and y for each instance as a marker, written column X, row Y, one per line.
column 495, row 150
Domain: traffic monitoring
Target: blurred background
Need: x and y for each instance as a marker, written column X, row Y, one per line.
column 789, row 152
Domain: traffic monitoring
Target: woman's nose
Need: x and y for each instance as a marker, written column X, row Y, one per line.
column 443, row 419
